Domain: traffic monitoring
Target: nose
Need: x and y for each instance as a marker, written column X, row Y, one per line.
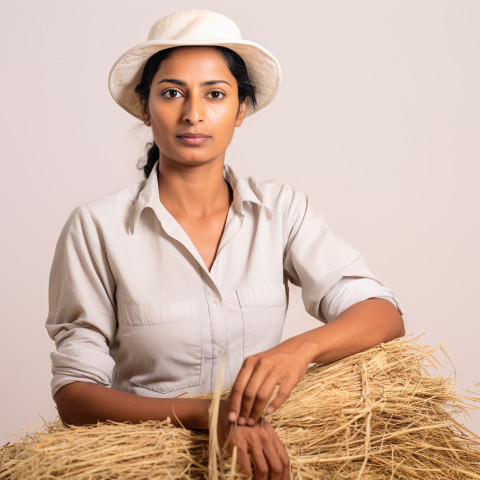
column 194, row 109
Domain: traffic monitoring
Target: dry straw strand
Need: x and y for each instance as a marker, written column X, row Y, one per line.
column 375, row 415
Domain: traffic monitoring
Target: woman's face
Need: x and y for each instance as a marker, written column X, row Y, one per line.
column 193, row 107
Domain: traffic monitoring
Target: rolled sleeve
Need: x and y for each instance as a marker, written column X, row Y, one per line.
column 82, row 312
column 315, row 259
column 351, row 290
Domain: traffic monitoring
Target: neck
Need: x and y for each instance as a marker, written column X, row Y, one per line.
column 196, row 192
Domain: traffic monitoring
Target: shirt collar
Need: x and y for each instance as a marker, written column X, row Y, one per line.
column 149, row 197
column 242, row 191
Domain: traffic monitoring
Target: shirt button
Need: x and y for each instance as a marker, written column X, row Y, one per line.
column 221, row 352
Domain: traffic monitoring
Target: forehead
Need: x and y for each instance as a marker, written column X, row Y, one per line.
column 200, row 60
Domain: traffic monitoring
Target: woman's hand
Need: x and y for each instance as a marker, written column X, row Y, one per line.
column 258, row 445
column 258, row 378
column 361, row 326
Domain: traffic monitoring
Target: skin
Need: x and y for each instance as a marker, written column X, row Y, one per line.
column 191, row 183
column 357, row 328
column 193, row 190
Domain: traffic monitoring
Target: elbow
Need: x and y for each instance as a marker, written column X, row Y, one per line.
column 401, row 330
column 63, row 401
column 62, row 408
column 68, row 401
column 397, row 327
column 389, row 321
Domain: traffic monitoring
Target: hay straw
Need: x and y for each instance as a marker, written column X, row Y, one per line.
column 213, row 446
column 375, row 415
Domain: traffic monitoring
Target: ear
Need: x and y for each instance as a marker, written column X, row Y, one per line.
column 145, row 114
column 242, row 110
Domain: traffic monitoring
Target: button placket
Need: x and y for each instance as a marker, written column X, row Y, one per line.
column 215, row 304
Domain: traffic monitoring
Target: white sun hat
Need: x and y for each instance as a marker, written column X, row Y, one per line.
column 194, row 27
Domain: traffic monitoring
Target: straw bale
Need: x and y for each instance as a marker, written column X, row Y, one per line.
column 375, row 415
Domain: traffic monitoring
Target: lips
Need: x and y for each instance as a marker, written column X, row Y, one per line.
column 193, row 138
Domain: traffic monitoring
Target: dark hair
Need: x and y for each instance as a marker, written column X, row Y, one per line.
column 235, row 64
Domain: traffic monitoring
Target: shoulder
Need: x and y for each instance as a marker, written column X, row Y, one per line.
column 115, row 208
column 288, row 205
column 117, row 201
column 280, row 198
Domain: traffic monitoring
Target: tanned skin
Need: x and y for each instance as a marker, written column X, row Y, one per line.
column 194, row 91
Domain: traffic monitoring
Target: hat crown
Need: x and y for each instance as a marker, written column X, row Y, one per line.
column 194, row 26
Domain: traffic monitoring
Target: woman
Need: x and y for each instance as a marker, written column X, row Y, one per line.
column 153, row 287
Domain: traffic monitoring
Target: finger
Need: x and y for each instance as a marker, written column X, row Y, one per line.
column 252, row 396
column 283, row 456
column 284, row 391
column 243, row 460
column 237, row 390
column 263, row 395
column 276, row 468
column 259, row 463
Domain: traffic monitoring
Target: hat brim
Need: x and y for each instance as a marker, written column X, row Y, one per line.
column 263, row 70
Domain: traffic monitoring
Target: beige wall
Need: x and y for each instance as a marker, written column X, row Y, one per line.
column 377, row 120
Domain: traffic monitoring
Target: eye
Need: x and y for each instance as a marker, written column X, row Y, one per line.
column 216, row 95
column 171, row 93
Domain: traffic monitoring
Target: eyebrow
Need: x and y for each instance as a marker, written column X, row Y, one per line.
column 183, row 84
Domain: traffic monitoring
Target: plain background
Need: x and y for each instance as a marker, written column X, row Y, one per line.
column 377, row 119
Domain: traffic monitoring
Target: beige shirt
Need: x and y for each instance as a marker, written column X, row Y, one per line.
column 133, row 306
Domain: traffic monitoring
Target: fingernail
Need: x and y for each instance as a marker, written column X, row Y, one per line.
column 241, row 420
column 251, row 422
column 232, row 416
column 270, row 409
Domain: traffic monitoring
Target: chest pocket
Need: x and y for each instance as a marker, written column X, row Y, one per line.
column 159, row 346
column 263, row 312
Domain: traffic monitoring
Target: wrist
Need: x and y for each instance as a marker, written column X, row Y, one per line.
column 300, row 346
column 310, row 350
column 223, row 411
column 193, row 413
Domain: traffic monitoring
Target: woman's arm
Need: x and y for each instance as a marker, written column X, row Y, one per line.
column 361, row 326
column 82, row 403
column 357, row 328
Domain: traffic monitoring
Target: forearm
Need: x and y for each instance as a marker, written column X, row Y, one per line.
column 357, row 328
column 81, row 403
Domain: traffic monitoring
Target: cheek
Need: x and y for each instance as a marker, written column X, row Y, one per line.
column 224, row 119
column 162, row 124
